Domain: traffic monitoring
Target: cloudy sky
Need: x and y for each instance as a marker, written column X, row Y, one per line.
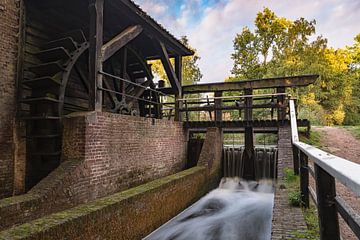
column 211, row 25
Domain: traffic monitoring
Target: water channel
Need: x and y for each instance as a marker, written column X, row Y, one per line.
column 236, row 210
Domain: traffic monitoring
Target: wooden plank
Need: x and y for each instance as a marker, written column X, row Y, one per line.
column 345, row 171
column 295, row 81
column 327, row 211
column 294, row 130
column 349, row 215
column 119, row 41
column 96, row 8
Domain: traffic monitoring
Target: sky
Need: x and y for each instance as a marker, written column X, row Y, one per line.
column 211, row 25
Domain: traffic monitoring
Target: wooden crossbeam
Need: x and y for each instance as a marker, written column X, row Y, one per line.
column 119, row 41
column 174, row 81
column 292, row 81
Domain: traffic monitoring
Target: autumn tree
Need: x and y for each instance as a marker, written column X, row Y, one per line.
column 282, row 47
column 190, row 72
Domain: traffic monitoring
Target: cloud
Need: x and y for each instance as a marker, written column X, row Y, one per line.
column 211, row 28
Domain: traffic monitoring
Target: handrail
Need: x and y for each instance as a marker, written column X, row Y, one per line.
column 234, row 97
column 327, row 168
column 347, row 172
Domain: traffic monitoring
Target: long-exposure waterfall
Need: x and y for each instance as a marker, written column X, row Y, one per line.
column 236, row 210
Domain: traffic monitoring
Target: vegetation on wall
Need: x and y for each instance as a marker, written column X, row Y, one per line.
column 281, row 47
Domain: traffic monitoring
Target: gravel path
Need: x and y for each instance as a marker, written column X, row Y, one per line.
column 342, row 143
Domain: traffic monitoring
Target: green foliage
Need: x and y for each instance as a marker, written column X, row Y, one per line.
column 314, row 139
column 190, row 72
column 282, row 47
column 312, row 231
column 292, row 183
column 355, row 130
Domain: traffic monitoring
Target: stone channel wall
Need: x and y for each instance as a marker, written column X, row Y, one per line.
column 9, row 25
column 103, row 153
column 133, row 213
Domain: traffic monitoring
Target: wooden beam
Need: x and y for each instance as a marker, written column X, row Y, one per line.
column 248, row 159
column 119, row 41
column 96, row 11
column 164, row 56
column 295, row 81
column 178, row 104
column 218, row 104
column 327, row 211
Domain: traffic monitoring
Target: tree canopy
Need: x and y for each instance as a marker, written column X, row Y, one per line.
column 190, row 70
column 281, row 47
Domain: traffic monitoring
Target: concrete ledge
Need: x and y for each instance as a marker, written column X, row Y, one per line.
column 130, row 214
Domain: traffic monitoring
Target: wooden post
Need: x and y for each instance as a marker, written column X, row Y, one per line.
column 328, row 216
column 281, row 102
column 304, row 179
column 296, row 160
column 123, row 60
column 96, row 10
column 218, row 104
column 178, row 104
column 248, row 160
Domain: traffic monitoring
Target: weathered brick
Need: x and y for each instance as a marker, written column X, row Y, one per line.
column 9, row 28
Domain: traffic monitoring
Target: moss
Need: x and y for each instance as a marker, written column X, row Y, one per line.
column 45, row 223
column 7, row 202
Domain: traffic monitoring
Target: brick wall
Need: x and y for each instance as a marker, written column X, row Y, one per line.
column 122, row 151
column 285, row 154
column 131, row 214
column 9, row 23
column 103, row 153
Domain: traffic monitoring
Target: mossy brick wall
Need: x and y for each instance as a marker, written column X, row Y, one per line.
column 122, row 151
column 103, row 153
column 131, row 214
column 9, row 28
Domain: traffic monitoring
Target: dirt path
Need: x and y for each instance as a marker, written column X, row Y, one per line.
column 342, row 143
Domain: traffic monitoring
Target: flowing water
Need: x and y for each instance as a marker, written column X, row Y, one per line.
column 236, row 210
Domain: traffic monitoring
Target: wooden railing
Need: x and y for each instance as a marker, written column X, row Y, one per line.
column 327, row 168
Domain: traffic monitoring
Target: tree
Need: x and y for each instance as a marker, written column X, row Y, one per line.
column 281, row 47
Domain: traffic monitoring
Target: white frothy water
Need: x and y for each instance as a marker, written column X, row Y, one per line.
column 236, row 210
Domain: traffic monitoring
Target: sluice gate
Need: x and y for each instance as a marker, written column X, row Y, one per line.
column 265, row 162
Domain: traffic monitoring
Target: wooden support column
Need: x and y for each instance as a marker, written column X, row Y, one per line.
column 248, row 160
column 304, row 180
column 218, row 104
column 281, row 102
column 178, row 72
column 328, row 216
column 96, row 11
column 123, row 72
column 296, row 160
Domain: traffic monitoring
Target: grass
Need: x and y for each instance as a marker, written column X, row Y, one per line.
column 314, row 138
column 292, row 183
column 355, row 130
